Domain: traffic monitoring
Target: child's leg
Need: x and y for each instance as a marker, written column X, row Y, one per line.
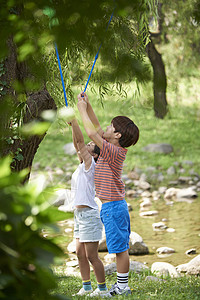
column 92, row 255
column 122, row 261
column 83, row 261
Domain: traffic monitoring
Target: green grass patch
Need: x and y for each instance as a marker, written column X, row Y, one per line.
column 185, row 287
column 180, row 128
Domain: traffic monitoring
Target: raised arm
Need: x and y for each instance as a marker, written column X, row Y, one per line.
column 90, row 129
column 79, row 144
column 91, row 113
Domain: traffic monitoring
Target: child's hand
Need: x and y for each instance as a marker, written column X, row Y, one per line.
column 83, row 96
column 82, row 105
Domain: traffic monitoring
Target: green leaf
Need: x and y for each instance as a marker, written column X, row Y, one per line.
column 5, row 166
column 34, row 128
column 19, row 157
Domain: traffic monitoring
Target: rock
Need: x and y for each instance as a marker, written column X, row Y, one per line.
column 162, row 189
column 68, row 230
column 145, row 203
column 69, row 149
column 188, row 162
column 191, row 268
column 160, row 226
column 170, row 230
column 160, row 177
column 173, row 182
column 164, row 269
column 109, row 258
column 191, row 251
column 144, row 185
column 137, row 266
column 155, row 195
column 136, row 245
column 188, row 193
column 128, row 182
column 71, row 271
column 69, row 223
column 102, row 244
column 150, row 169
column 110, row 269
column 143, row 177
column 171, row 170
column 161, row 148
column 146, row 194
column 180, row 194
column 165, row 250
column 59, row 171
column 62, row 197
column 72, row 263
column 153, row 278
column 131, row 193
column 133, row 175
column 149, row 213
column 184, row 179
column 72, row 247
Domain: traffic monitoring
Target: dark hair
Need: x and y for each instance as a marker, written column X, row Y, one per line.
column 96, row 151
column 129, row 131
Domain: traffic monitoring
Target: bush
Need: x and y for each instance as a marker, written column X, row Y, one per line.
column 25, row 255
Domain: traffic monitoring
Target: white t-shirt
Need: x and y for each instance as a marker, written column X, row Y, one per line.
column 82, row 186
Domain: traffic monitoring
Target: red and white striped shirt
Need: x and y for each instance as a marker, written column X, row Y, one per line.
column 108, row 183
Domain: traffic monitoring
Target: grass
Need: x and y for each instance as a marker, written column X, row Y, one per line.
column 185, row 287
column 180, row 128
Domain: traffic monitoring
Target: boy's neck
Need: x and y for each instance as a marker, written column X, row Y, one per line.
column 114, row 142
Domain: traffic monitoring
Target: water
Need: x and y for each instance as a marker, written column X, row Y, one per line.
column 183, row 217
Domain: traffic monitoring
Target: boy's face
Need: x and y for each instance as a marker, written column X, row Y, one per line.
column 109, row 134
column 90, row 147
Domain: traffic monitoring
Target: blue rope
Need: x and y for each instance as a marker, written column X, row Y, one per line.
column 96, row 57
column 61, row 75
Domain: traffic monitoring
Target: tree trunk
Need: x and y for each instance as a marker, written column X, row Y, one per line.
column 36, row 103
column 159, row 81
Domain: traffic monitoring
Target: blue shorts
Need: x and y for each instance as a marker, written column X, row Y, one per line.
column 116, row 220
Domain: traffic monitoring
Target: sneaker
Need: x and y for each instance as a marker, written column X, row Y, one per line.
column 83, row 292
column 115, row 290
column 98, row 293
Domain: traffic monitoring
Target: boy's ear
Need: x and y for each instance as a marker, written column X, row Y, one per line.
column 118, row 135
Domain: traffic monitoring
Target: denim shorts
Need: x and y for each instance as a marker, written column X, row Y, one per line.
column 87, row 225
column 116, row 219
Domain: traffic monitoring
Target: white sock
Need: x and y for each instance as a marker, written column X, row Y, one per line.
column 122, row 280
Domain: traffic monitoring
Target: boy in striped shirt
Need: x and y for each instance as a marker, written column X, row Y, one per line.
column 110, row 189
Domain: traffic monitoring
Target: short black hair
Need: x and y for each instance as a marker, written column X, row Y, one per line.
column 96, row 151
column 128, row 129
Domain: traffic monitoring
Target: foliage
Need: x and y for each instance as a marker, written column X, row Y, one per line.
column 25, row 255
column 181, row 19
column 79, row 27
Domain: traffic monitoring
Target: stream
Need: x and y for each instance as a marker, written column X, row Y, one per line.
column 183, row 217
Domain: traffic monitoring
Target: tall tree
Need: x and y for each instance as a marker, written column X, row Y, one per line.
column 159, row 74
column 27, row 38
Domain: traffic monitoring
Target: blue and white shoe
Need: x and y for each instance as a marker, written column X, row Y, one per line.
column 115, row 290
